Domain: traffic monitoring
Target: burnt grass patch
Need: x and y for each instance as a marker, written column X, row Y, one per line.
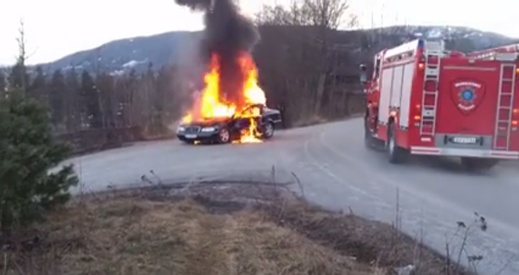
column 213, row 228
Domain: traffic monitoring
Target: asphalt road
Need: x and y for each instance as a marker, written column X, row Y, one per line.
column 431, row 195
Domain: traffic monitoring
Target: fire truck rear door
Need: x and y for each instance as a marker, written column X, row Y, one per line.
column 470, row 92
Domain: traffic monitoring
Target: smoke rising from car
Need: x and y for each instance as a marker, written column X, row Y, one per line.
column 227, row 33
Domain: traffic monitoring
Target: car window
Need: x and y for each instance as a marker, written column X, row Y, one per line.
column 251, row 109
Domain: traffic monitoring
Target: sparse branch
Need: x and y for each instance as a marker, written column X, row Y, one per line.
column 18, row 78
column 22, row 55
column 327, row 13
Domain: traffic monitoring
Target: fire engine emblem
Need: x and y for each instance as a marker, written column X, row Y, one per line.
column 467, row 95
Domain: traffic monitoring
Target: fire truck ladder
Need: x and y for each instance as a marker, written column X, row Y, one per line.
column 430, row 92
column 505, row 102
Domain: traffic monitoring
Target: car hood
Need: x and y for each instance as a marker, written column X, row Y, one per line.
column 208, row 122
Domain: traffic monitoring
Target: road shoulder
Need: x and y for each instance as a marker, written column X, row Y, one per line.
column 217, row 229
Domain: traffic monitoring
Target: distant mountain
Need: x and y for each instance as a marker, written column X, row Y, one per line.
column 179, row 47
column 137, row 52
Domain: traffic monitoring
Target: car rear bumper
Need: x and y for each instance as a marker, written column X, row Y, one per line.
column 459, row 152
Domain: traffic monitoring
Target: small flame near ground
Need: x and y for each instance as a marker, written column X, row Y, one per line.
column 213, row 105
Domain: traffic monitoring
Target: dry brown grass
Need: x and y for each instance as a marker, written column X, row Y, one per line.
column 131, row 235
column 208, row 229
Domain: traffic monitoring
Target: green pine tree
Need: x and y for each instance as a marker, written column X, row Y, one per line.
column 3, row 83
column 18, row 77
column 28, row 151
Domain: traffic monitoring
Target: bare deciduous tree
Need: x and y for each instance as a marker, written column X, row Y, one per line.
column 302, row 37
column 328, row 13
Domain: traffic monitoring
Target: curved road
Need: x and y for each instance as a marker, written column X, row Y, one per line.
column 338, row 172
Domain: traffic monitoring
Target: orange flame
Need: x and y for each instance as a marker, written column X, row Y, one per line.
column 212, row 105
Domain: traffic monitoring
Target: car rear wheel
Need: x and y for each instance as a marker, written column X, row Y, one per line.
column 224, row 136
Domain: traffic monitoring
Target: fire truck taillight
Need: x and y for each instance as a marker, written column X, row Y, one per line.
column 417, row 117
column 421, row 66
column 517, row 70
column 514, row 122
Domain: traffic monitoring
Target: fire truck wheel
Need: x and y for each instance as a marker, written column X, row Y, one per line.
column 478, row 164
column 396, row 154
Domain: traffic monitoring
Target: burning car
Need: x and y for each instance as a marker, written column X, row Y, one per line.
column 232, row 105
column 254, row 124
column 241, row 116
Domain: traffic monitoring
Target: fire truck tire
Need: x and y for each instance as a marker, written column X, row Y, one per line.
column 478, row 164
column 396, row 154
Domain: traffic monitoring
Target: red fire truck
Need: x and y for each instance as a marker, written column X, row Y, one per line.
column 424, row 100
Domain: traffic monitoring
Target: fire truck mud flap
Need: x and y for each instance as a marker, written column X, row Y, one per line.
column 396, row 154
column 369, row 140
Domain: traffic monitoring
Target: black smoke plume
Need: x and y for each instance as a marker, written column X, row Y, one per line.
column 227, row 34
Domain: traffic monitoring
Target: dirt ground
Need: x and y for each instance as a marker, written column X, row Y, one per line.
column 217, row 229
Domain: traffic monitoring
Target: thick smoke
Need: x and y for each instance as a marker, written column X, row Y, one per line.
column 227, row 34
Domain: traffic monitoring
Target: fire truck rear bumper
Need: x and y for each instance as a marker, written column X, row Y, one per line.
column 457, row 152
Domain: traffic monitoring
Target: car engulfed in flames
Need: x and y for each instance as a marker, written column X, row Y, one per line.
column 216, row 118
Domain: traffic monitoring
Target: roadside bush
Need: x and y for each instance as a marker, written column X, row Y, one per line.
column 28, row 151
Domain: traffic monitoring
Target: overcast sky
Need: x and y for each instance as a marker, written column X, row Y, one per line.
column 55, row 28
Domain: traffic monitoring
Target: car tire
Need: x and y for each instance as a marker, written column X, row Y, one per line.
column 396, row 154
column 224, row 136
column 268, row 130
column 478, row 164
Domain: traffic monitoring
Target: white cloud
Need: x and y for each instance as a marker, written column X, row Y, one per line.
column 55, row 28
column 58, row 27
